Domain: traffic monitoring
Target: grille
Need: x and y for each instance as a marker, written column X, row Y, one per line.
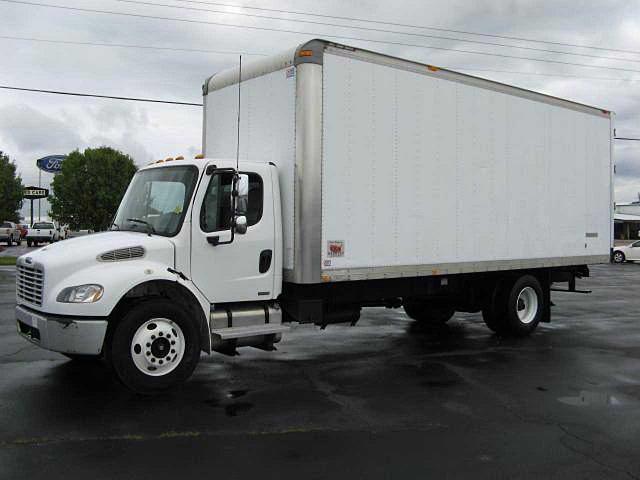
column 29, row 284
column 122, row 254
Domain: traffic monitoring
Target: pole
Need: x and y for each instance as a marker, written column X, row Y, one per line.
column 39, row 185
column 31, row 200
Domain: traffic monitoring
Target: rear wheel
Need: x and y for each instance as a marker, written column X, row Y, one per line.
column 516, row 307
column 423, row 312
column 154, row 347
column 29, row 243
column 618, row 257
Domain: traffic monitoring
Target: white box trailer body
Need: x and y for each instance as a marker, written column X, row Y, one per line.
column 391, row 168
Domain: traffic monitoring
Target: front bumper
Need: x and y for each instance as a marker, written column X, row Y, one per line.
column 61, row 334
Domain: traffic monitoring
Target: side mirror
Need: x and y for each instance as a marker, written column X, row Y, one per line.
column 241, row 225
column 242, row 194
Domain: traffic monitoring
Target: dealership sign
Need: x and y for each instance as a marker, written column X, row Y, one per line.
column 51, row 164
column 33, row 193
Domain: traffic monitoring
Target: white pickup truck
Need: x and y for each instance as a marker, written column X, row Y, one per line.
column 9, row 233
column 42, row 232
column 363, row 181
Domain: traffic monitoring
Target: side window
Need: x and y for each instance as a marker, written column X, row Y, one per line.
column 254, row 205
column 215, row 214
column 636, row 245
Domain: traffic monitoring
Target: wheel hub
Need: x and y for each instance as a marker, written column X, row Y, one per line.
column 160, row 347
column 527, row 305
column 157, row 347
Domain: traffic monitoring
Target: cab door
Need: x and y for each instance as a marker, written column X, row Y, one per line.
column 243, row 269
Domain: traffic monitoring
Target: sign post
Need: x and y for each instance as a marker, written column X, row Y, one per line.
column 49, row 164
column 34, row 193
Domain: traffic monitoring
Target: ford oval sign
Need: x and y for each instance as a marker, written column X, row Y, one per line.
column 51, row 164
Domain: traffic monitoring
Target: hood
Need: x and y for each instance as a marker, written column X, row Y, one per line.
column 81, row 250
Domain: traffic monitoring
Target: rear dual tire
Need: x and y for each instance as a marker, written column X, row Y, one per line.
column 515, row 307
column 427, row 314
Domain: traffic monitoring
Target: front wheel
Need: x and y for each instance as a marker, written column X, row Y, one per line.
column 618, row 257
column 156, row 346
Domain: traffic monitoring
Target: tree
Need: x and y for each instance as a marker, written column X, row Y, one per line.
column 88, row 190
column 10, row 190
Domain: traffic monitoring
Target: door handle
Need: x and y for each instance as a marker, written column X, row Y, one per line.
column 265, row 261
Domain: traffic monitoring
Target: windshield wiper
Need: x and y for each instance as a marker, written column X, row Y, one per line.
column 137, row 220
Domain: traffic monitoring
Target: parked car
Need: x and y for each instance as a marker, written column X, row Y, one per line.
column 42, row 232
column 9, row 233
column 627, row 253
column 23, row 230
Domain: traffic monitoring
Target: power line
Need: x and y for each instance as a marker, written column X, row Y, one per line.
column 250, row 27
column 196, row 50
column 74, row 94
column 380, row 30
column 627, row 138
column 407, row 25
column 122, row 45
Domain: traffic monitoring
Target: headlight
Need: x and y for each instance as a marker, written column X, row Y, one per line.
column 81, row 294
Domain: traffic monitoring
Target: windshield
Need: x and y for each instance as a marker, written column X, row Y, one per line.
column 156, row 200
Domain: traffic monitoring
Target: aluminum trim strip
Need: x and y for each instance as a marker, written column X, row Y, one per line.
column 341, row 275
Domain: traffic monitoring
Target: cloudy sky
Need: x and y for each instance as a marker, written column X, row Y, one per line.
column 33, row 125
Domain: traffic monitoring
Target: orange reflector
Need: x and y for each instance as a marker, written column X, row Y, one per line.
column 199, row 156
column 325, row 278
column 179, row 157
column 433, row 68
column 305, row 53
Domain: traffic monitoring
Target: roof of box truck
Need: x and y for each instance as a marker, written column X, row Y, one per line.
column 313, row 52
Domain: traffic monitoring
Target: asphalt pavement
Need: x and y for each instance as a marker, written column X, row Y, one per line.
column 382, row 399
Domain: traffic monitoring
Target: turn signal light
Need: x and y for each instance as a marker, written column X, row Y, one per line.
column 305, row 53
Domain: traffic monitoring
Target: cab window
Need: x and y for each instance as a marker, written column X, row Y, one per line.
column 215, row 214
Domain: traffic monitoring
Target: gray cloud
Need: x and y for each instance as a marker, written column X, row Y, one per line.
column 45, row 124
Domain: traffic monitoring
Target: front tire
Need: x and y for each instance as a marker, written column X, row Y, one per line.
column 155, row 347
column 618, row 257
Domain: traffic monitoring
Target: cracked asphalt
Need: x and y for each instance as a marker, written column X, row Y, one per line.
column 383, row 399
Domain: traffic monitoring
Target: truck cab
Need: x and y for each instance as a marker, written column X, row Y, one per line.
column 192, row 262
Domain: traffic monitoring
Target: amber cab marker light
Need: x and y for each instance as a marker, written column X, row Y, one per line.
column 179, row 157
column 433, row 68
column 199, row 156
column 305, row 53
column 168, row 159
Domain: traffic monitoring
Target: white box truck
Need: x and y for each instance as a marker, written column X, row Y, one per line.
column 362, row 180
